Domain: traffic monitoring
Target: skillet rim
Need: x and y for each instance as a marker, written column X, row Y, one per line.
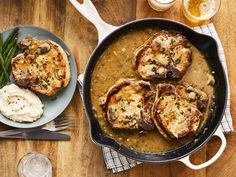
column 111, row 143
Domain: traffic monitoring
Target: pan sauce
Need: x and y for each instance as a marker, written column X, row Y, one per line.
column 117, row 62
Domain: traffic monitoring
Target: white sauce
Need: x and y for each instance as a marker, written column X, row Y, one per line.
column 19, row 104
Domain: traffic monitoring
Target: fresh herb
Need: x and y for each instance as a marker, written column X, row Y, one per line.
column 33, row 62
column 178, row 105
column 139, row 106
column 162, row 49
column 128, row 117
column 213, row 104
column 171, row 55
column 177, row 61
column 123, row 110
column 154, row 69
column 172, row 41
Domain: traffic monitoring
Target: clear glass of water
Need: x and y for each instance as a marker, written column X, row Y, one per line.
column 34, row 165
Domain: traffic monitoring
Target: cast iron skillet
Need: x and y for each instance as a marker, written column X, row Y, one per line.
column 206, row 44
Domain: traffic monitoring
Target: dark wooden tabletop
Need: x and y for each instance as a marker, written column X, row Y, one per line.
column 81, row 157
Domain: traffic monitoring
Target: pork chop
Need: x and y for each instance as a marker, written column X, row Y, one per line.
column 42, row 67
column 178, row 109
column 128, row 105
column 164, row 55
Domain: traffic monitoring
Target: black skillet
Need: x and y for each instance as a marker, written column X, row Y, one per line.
column 206, row 44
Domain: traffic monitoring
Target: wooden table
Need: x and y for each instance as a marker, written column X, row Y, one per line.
column 81, row 157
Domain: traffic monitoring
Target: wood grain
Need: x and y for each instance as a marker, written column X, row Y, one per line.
column 80, row 157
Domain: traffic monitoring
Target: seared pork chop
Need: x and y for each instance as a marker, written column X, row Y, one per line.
column 178, row 109
column 127, row 105
column 164, row 55
column 43, row 67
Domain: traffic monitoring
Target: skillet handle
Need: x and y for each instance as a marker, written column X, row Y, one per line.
column 187, row 162
column 88, row 10
column 80, row 79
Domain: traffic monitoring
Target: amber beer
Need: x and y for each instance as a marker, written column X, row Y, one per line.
column 200, row 10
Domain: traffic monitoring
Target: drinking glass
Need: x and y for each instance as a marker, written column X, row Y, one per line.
column 200, row 10
column 34, row 165
column 161, row 5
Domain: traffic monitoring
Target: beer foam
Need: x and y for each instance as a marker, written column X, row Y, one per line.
column 207, row 8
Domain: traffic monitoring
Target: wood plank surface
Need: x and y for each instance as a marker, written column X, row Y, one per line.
column 81, row 157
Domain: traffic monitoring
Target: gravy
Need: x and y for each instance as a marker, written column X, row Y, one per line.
column 116, row 62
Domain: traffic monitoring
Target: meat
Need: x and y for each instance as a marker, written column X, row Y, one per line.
column 128, row 105
column 164, row 55
column 178, row 109
column 42, row 67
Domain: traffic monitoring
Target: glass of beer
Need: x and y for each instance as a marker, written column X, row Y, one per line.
column 200, row 10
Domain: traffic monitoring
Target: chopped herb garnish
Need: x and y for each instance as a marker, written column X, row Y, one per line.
column 123, row 110
column 139, row 106
column 213, row 104
column 33, row 62
column 154, row 69
column 128, row 117
column 162, row 49
column 171, row 55
column 177, row 104
column 172, row 41
column 177, row 61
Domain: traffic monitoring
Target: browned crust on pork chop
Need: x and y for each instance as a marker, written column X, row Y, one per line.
column 164, row 55
column 176, row 110
column 42, row 67
column 128, row 105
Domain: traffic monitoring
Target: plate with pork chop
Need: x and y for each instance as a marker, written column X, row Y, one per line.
column 44, row 66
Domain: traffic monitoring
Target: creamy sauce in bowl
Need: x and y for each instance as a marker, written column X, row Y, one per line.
column 19, row 104
column 117, row 62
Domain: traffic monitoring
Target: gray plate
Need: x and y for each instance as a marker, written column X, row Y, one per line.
column 53, row 106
